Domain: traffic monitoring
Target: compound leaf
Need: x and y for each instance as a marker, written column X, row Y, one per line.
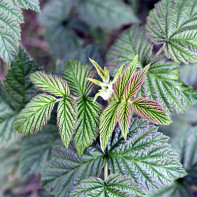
column 151, row 110
column 50, row 83
column 66, row 168
column 178, row 35
column 115, row 185
column 35, row 115
column 87, row 123
column 162, row 81
column 18, row 87
column 66, row 118
column 76, row 74
column 28, row 4
column 146, row 156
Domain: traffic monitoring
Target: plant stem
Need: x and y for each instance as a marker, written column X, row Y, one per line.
column 106, row 171
column 160, row 51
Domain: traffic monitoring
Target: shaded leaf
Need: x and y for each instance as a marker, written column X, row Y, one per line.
column 28, row 4
column 35, row 115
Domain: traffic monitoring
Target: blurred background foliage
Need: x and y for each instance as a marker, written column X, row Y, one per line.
column 78, row 29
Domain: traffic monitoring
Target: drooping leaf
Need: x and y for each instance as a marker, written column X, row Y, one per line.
column 76, row 74
column 11, row 17
column 36, row 150
column 50, row 83
column 7, row 117
column 124, row 117
column 151, row 110
column 115, row 185
column 135, row 83
column 108, row 122
column 28, row 4
column 108, row 15
column 179, row 34
column 146, row 156
column 18, row 87
column 87, row 123
column 162, row 81
column 121, row 82
column 35, row 115
column 66, row 169
column 66, row 118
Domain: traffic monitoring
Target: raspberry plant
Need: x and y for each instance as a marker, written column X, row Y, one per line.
column 90, row 129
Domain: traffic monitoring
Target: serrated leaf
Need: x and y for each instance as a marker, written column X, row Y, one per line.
column 66, row 118
column 35, row 115
column 18, row 87
column 135, row 83
column 151, row 110
column 76, row 74
column 146, row 156
column 179, row 34
column 66, row 169
column 87, row 123
column 50, row 83
column 28, row 4
column 7, row 118
column 108, row 122
column 124, row 117
column 121, row 82
column 36, row 150
column 115, row 185
column 108, row 15
column 162, row 81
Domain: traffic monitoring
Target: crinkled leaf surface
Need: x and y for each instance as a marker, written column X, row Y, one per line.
column 66, row 168
column 115, row 185
column 162, row 81
column 145, row 156
column 108, row 14
column 18, row 87
column 173, row 24
column 35, row 115
column 28, row 4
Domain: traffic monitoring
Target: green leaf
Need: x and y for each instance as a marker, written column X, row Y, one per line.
column 28, row 4
column 108, row 122
column 115, row 185
column 122, row 81
column 178, row 35
column 66, row 169
column 108, row 15
column 7, row 118
column 36, row 150
column 18, row 87
column 124, row 117
column 151, row 110
column 76, row 74
column 50, row 83
column 146, row 156
column 35, row 115
column 162, row 81
column 66, row 118
column 87, row 123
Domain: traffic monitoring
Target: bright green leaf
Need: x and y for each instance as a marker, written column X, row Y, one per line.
column 35, row 115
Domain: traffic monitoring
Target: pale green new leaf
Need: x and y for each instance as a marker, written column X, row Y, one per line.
column 50, row 83
column 36, row 150
column 66, row 168
column 162, row 81
column 28, row 4
column 108, row 122
column 115, row 185
column 76, row 74
column 146, row 156
column 35, row 115
column 18, row 87
column 87, row 123
column 108, row 14
column 67, row 118
column 7, row 117
column 173, row 24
